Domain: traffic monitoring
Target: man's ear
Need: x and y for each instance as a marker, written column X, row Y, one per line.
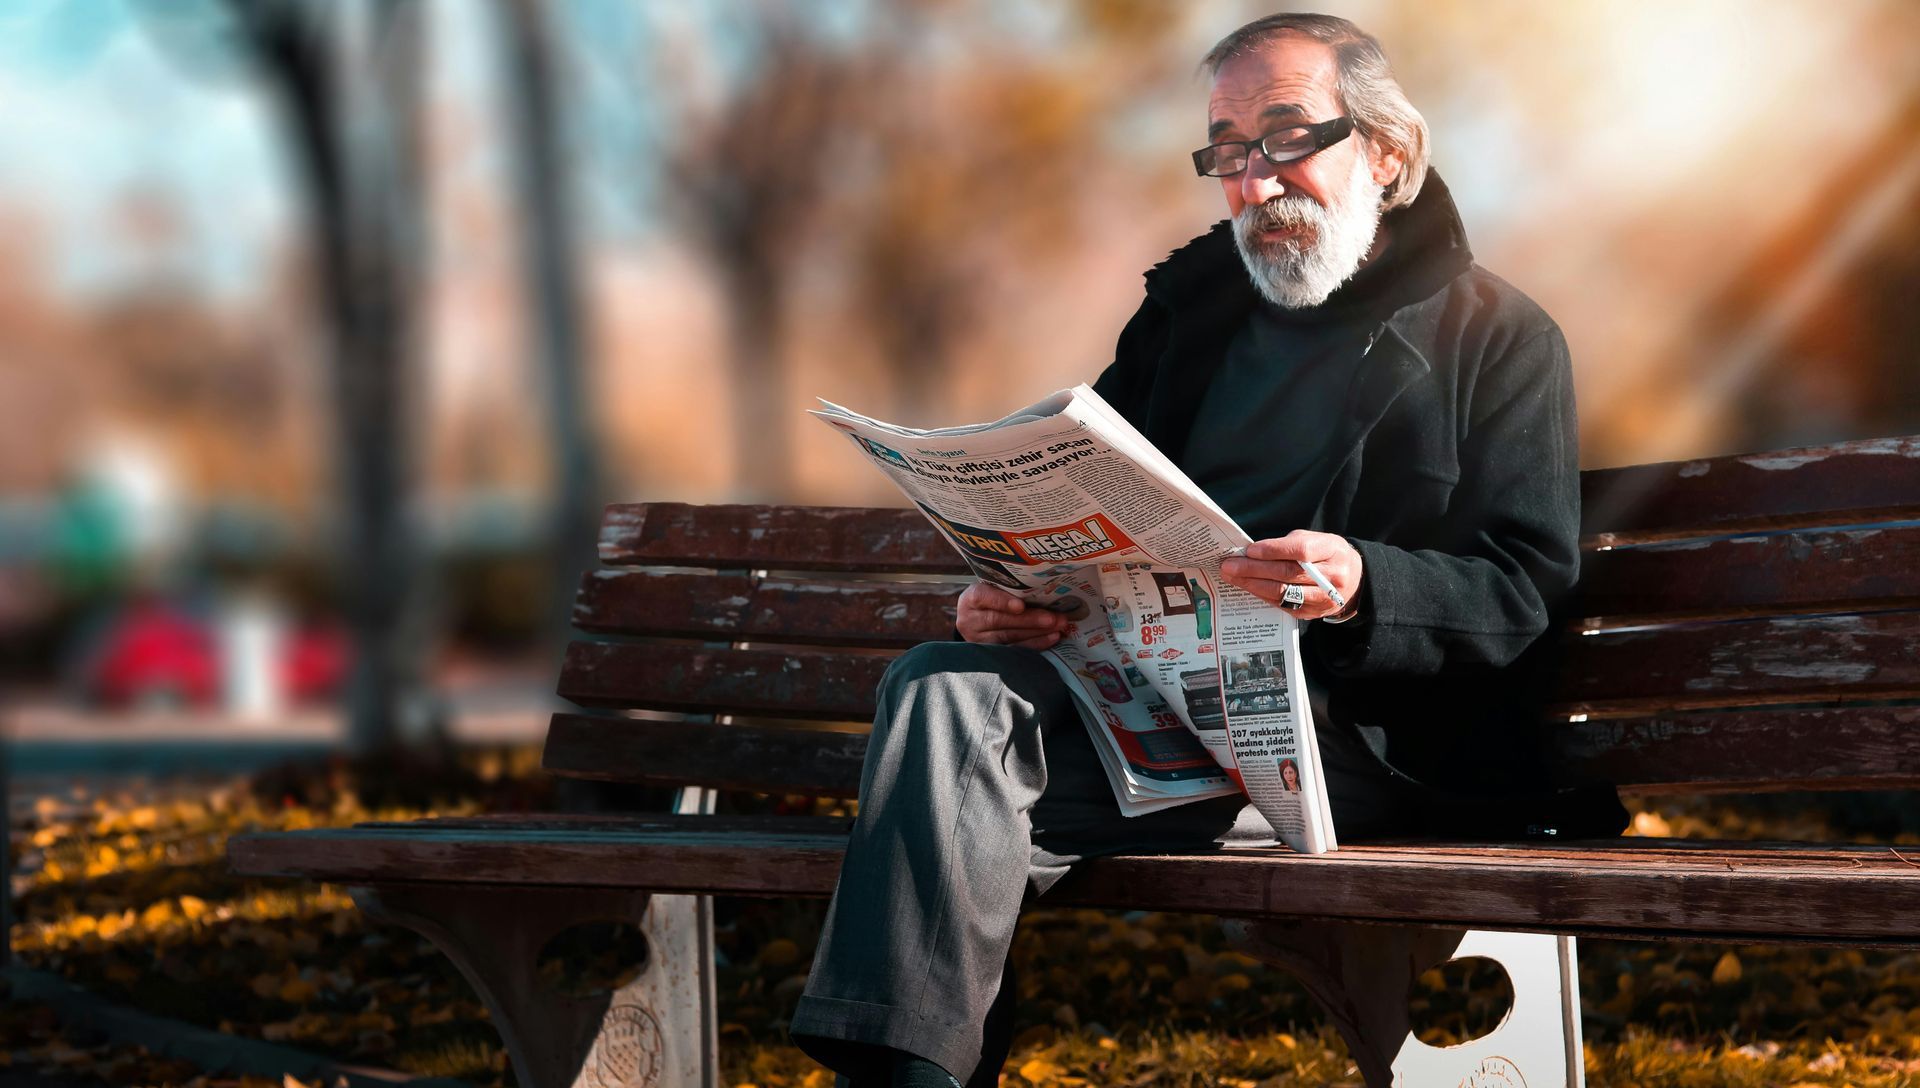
column 1384, row 163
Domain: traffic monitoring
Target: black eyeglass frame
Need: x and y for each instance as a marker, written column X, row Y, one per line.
column 1321, row 135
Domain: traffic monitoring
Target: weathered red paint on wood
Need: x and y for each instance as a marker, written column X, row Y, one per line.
column 779, row 537
column 1781, row 574
column 1841, row 893
column 667, row 676
column 1751, row 751
column 1748, row 663
column 734, row 757
column 1848, row 484
column 731, row 606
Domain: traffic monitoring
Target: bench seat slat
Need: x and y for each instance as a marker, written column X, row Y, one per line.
column 1840, row 893
column 1778, row 854
column 1788, row 573
column 1852, row 748
column 731, row 606
column 765, row 826
column 1850, row 483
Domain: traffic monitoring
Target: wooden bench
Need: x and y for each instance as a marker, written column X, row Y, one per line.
column 1745, row 624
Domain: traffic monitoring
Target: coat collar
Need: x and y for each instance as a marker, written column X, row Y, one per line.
column 1208, row 294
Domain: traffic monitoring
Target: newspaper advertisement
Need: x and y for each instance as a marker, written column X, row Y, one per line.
column 1191, row 687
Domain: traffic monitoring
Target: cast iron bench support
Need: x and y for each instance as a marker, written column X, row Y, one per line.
column 659, row 1028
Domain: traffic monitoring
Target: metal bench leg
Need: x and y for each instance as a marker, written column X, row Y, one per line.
column 1363, row 975
column 657, row 1029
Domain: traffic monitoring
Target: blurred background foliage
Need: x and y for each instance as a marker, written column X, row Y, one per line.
column 327, row 328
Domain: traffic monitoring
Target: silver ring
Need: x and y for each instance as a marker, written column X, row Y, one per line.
column 1293, row 596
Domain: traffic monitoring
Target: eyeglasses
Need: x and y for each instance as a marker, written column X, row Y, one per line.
column 1288, row 144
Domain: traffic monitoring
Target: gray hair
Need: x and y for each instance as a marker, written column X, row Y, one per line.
column 1364, row 82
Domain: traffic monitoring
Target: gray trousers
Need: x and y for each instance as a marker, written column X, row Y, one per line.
column 981, row 786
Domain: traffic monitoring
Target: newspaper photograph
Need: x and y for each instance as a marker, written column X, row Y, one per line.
column 1190, row 687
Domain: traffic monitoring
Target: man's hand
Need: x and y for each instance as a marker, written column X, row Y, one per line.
column 991, row 616
column 1272, row 565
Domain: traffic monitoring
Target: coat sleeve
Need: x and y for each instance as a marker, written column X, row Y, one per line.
column 1510, row 544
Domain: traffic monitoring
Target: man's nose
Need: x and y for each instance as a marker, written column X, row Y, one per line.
column 1260, row 181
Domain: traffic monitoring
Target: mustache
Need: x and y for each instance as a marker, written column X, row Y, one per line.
column 1287, row 212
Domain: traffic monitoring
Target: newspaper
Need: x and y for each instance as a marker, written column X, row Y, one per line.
column 1191, row 688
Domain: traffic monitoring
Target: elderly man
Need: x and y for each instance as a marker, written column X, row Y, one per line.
column 1333, row 368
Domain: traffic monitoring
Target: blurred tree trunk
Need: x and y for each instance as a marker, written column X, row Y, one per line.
column 748, row 174
column 347, row 78
column 757, row 368
column 549, row 259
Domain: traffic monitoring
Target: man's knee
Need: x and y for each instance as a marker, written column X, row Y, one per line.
column 960, row 672
column 943, row 706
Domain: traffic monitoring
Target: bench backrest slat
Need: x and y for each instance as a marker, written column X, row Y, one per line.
column 1750, row 663
column 735, row 607
column 762, row 759
column 819, row 684
column 1846, row 484
column 1749, row 751
column 1872, row 747
column 1732, row 578
column 852, row 538
column 1852, row 483
column 1775, row 575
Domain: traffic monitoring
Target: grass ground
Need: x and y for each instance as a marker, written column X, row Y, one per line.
column 127, row 895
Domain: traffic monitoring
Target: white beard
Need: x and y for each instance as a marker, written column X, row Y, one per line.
column 1302, row 271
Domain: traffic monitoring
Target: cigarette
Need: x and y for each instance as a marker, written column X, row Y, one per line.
column 1320, row 580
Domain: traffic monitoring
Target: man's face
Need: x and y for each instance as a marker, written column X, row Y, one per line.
column 1302, row 227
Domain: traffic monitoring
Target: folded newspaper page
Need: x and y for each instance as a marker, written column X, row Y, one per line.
column 1191, row 687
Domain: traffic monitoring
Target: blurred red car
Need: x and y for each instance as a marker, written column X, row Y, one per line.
column 156, row 655
column 159, row 655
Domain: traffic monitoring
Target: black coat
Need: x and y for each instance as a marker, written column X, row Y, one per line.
column 1458, row 483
